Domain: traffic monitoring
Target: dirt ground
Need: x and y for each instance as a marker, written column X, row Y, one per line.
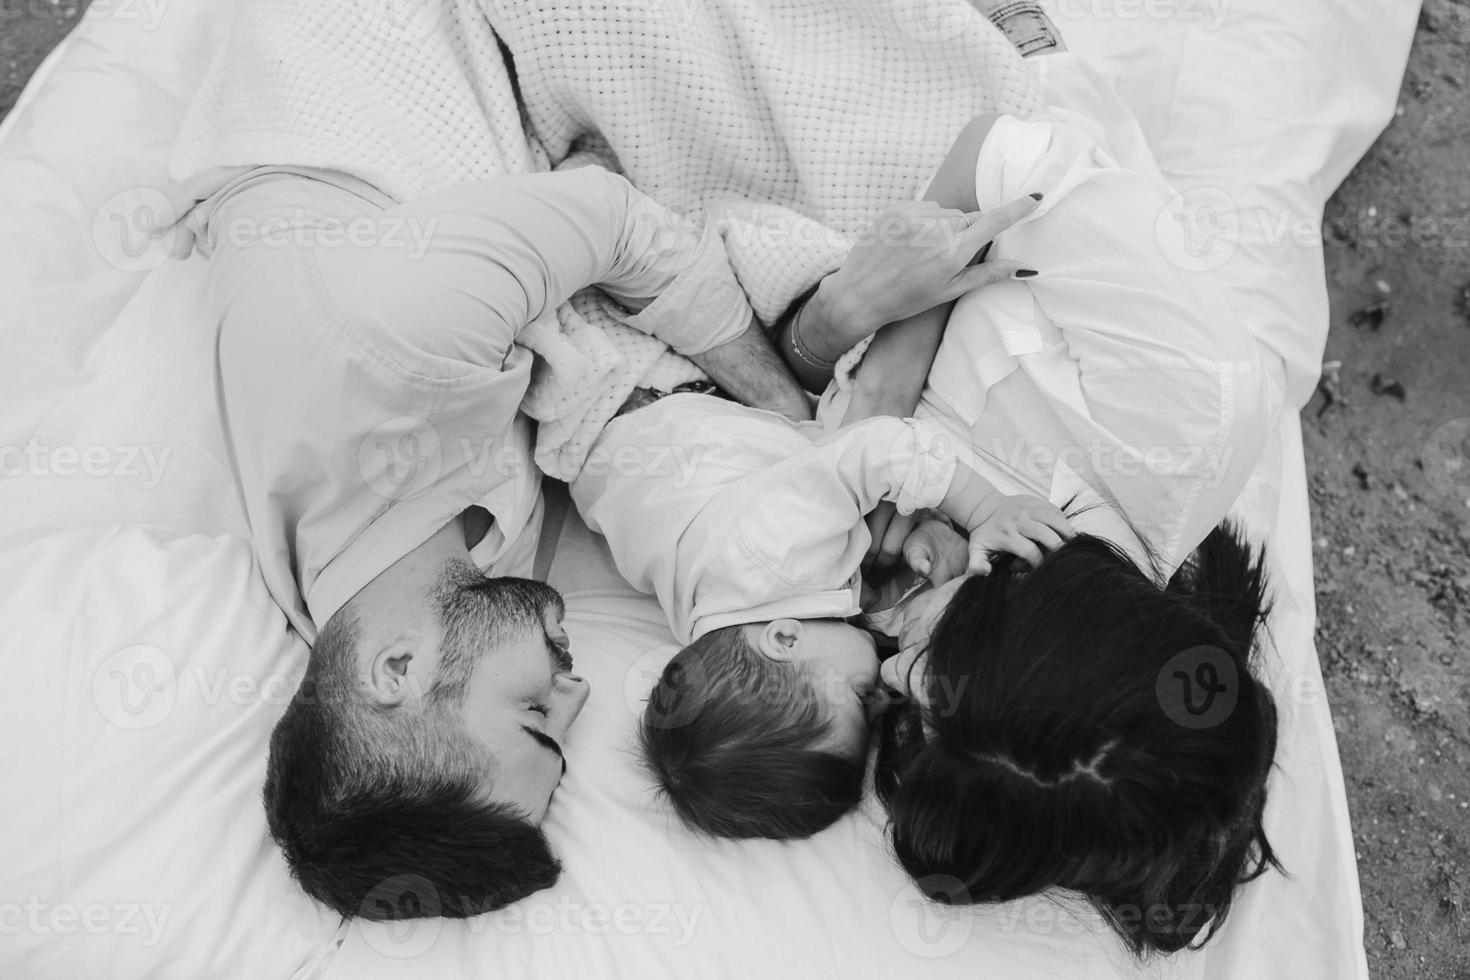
column 1388, row 456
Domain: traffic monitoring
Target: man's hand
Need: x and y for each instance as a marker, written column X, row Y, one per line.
column 749, row 370
column 1018, row 524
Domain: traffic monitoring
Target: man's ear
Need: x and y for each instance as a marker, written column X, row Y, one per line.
column 779, row 639
column 396, row 670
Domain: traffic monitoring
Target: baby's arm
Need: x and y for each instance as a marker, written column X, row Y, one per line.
column 1018, row 524
column 802, row 518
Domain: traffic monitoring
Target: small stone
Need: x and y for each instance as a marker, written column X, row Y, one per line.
column 1382, row 384
column 1383, row 287
column 1397, row 938
column 1370, row 316
column 1349, row 551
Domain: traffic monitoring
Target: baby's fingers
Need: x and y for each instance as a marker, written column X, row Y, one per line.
column 1050, row 515
column 1044, row 537
column 1023, row 548
column 979, row 559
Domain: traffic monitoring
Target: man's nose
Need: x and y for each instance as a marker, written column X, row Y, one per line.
column 568, row 695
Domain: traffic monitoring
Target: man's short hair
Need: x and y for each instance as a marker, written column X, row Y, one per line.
column 733, row 740
column 380, row 811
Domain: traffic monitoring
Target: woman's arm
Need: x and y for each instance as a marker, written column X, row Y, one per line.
column 897, row 364
column 915, row 256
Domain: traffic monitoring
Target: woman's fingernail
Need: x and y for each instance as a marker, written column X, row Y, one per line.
column 923, row 567
column 1024, row 273
column 1035, row 196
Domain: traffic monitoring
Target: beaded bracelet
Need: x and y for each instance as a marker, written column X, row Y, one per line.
column 801, row 351
column 789, row 320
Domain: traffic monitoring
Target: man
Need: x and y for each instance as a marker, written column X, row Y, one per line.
column 370, row 380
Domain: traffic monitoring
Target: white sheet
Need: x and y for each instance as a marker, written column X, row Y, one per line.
column 108, row 573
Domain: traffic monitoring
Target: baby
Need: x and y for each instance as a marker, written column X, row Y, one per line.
column 748, row 528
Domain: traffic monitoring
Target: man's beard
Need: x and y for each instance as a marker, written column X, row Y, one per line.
column 480, row 614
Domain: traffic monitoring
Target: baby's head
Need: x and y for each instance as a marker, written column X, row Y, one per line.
column 761, row 730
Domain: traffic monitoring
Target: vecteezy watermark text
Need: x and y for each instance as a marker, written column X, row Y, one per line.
column 36, row 459
column 94, row 918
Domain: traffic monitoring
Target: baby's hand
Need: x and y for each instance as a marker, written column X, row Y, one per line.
column 1019, row 524
column 936, row 551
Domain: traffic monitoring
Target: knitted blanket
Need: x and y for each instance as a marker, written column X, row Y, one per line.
column 782, row 124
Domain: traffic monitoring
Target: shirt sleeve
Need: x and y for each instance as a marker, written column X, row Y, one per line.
column 1139, row 348
column 792, row 514
column 444, row 283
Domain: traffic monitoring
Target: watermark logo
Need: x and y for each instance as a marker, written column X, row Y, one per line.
column 1037, row 461
column 1209, row 14
column 136, row 687
column 400, row 21
column 41, row 461
column 134, row 229
column 39, row 918
column 304, row 229
column 1199, row 229
column 933, row 21
column 1199, row 687
column 400, row 457
column 139, row 687
column 929, row 928
column 1446, row 459
column 670, row 13
column 147, row 14
column 676, row 703
column 405, row 911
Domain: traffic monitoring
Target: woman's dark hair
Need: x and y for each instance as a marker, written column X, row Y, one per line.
column 1085, row 729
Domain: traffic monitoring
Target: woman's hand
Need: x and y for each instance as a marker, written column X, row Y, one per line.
column 915, row 256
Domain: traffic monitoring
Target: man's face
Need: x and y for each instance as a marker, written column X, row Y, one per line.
column 519, row 702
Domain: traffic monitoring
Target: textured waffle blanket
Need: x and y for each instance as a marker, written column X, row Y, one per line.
column 783, row 126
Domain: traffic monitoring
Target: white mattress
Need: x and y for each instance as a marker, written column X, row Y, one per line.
column 148, row 662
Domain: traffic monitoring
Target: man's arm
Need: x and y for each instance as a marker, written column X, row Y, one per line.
column 751, row 371
column 454, row 276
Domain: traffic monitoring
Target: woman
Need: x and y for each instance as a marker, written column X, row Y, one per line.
column 1084, row 716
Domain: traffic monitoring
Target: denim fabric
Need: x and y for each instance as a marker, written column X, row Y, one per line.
column 1024, row 23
